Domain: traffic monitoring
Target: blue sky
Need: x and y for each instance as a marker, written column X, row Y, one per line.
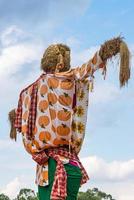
column 26, row 29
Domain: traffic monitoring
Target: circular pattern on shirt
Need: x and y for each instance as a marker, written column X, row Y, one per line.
column 43, row 105
column 79, row 111
column 64, row 115
column 44, row 136
column 66, row 85
column 63, row 130
column 52, row 98
column 80, row 127
column 65, row 99
column 43, row 90
column 53, row 83
column 43, row 121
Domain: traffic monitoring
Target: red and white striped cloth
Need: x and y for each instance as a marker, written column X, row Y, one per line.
column 60, row 180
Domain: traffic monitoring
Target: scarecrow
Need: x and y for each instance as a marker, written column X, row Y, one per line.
column 52, row 112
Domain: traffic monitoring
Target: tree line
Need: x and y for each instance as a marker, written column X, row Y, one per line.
column 90, row 194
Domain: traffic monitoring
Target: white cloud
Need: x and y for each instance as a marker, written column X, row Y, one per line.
column 104, row 92
column 99, row 169
column 12, row 178
column 114, row 177
column 12, row 58
column 119, row 191
column 15, row 150
column 12, row 35
column 16, row 52
column 12, row 188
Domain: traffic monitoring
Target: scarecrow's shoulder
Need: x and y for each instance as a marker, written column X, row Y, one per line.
column 30, row 86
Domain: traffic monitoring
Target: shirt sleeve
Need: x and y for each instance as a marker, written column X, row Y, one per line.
column 88, row 69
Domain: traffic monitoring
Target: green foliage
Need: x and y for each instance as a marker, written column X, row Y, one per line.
column 4, row 197
column 90, row 194
column 26, row 194
column 94, row 194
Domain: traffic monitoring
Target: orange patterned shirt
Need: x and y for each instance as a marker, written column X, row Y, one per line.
column 58, row 121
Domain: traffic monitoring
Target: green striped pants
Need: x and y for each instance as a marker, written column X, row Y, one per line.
column 74, row 176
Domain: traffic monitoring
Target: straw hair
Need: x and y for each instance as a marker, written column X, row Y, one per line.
column 124, row 64
column 56, row 55
column 11, row 118
column 112, row 47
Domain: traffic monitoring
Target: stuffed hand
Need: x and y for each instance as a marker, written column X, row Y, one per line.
column 112, row 47
column 11, row 117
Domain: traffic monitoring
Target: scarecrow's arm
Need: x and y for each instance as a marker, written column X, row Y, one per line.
column 109, row 49
column 88, row 69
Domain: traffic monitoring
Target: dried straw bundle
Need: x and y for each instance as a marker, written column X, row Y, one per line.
column 54, row 56
column 112, row 47
column 124, row 64
column 11, row 117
